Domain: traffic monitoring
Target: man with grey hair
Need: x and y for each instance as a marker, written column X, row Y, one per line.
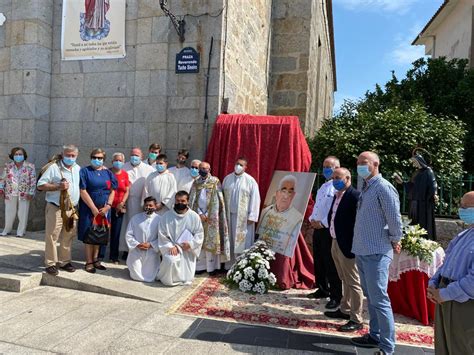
column 328, row 282
column 60, row 181
column 193, row 174
column 138, row 172
column 280, row 223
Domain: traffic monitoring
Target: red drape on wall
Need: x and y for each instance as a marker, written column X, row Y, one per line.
column 269, row 143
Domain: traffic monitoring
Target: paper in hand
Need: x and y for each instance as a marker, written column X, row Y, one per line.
column 185, row 237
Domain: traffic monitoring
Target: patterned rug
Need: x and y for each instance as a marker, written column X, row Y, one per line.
column 283, row 309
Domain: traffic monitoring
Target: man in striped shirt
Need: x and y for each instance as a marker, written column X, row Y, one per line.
column 377, row 235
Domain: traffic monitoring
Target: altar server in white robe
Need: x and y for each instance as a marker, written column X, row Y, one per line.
column 137, row 173
column 242, row 203
column 143, row 259
column 181, row 172
column 180, row 237
column 161, row 185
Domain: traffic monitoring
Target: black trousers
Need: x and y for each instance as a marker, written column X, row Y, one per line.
column 324, row 268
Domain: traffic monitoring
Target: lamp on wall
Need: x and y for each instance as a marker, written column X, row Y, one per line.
column 177, row 23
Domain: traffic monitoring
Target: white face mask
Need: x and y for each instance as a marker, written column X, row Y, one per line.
column 238, row 169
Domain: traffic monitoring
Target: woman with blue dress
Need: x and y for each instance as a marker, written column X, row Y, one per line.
column 98, row 185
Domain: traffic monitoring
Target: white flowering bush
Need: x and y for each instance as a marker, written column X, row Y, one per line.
column 251, row 271
column 415, row 244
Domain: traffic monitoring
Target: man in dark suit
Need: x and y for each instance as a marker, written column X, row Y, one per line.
column 341, row 220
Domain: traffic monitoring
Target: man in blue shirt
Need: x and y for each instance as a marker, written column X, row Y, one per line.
column 452, row 289
column 377, row 234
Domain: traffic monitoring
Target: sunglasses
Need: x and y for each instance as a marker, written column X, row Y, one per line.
column 98, row 158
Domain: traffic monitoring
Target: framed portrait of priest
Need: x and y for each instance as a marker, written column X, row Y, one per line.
column 284, row 209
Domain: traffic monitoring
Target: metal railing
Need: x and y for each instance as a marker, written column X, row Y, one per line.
column 450, row 193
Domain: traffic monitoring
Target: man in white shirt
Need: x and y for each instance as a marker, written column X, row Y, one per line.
column 180, row 234
column 161, row 185
column 242, row 203
column 137, row 172
column 60, row 176
column 141, row 236
column 328, row 282
column 181, row 171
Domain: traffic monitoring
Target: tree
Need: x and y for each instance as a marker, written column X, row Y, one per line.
column 444, row 88
column 393, row 133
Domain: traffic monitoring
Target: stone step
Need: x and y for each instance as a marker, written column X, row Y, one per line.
column 17, row 280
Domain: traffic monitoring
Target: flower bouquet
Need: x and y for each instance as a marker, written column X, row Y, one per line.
column 250, row 273
column 414, row 243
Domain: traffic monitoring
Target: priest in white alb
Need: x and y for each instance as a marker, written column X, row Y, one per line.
column 143, row 259
column 180, row 237
column 181, row 172
column 242, row 203
column 137, row 173
column 161, row 185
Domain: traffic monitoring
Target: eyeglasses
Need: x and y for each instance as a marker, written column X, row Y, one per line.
column 98, row 158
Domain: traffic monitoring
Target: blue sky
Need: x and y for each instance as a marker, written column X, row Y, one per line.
column 373, row 37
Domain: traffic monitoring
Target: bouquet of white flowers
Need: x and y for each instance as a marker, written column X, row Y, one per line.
column 250, row 273
column 414, row 243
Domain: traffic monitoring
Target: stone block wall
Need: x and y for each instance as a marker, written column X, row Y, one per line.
column 302, row 82
column 245, row 61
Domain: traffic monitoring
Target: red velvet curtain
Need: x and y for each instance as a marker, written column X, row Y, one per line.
column 269, row 143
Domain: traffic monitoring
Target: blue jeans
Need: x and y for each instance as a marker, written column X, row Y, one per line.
column 373, row 270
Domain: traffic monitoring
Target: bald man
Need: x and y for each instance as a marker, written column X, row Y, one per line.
column 377, row 234
column 137, row 174
column 207, row 200
column 452, row 289
column 328, row 282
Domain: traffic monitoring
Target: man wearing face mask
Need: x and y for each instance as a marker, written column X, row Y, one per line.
column 377, row 234
column 153, row 151
column 137, row 172
column 141, row 236
column 207, row 200
column 181, row 171
column 452, row 289
column 62, row 176
column 341, row 227
column 242, row 203
column 180, row 234
column 328, row 283
column 188, row 182
column 161, row 185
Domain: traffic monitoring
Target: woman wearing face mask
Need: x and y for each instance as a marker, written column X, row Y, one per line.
column 118, row 206
column 17, row 187
column 98, row 185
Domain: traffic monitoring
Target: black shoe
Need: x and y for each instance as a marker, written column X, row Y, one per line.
column 88, row 269
column 52, row 270
column 125, row 255
column 214, row 273
column 350, row 326
column 200, row 272
column 99, row 266
column 318, row 294
column 365, row 341
column 68, row 267
column 337, row 315
column 332, row 304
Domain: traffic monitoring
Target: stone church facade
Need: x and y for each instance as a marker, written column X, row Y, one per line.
column 269, row 57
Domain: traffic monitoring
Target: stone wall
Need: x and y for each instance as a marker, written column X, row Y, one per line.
column 302, row 82
column 245, row 58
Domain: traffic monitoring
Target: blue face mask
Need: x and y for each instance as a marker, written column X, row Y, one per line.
column 18, row 158
column 338, row 184
column 467, row 215
column 327, row 172
column 152, row 156
column 69, row 161
column 363, row 171
column 97, row 163
column 194, row 172
column 160, row 168
column 135, row 160
column 117, row 164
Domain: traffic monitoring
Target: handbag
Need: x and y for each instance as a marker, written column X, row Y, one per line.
column 99, row 232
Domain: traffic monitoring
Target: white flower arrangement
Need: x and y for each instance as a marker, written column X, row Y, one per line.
column 415, row 244
column 251, row 270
